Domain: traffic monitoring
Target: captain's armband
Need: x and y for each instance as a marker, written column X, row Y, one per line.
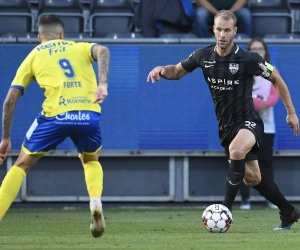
column 267, row 69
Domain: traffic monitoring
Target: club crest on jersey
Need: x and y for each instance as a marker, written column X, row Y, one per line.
column 233, row 67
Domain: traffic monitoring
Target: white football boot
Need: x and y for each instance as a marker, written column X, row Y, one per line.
column 97, row 226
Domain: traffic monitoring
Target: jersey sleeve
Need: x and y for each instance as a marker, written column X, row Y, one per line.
column 258, row 66
column 193, row 61
column 24, row 74
column 88, row 47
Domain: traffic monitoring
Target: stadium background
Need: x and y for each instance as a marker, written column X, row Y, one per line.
column 160, row 141
column 170, row 115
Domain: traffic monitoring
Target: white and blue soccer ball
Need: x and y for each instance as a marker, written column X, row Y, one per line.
column 217, row 218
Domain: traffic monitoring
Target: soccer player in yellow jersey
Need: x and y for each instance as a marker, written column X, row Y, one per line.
column 71, row 109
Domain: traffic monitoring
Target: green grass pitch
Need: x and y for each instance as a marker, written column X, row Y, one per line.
column 143, row 228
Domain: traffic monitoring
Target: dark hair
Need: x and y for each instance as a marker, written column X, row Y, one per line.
column 50, row 20
column 258, row 39
column 227, row 15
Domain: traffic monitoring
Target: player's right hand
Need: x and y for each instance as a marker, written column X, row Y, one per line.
column 5, row 147
column 101, row 93
column 1, row 159
column 155, row 74
column 293, row 122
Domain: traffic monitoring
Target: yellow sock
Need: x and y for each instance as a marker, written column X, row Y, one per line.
column 10, row 188
column 94, row 178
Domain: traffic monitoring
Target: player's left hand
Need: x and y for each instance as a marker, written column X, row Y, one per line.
column 5, row 147
column 155, row 74
column 101, row 93
column 293, row 121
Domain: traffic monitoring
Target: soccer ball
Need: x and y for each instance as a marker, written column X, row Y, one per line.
column 217, row 218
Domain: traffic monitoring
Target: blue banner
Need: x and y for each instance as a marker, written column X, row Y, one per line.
column 168, row 115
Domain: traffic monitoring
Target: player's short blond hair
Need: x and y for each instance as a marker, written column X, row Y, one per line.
column 227, row 15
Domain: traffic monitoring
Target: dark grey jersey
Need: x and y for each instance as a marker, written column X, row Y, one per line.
column 230, row 81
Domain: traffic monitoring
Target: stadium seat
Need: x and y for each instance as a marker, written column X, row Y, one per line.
column 295, row 11
column 168, row 28
column 241, row 35
column 117, row 35
column 70, row 12
column 289, row 36
column 135, row 2
column 8, row 38
column 33, row 37
column 109, row 16
column 178, row 35
column 15, row 16
column 77, row 37
column 20, row 37
column 238, row 36
column 270, row 16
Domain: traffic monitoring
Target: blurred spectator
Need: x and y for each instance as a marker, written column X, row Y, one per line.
column 264, row 97
column 206, row 10
column 150, row 15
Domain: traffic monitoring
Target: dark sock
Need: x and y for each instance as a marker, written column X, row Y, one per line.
column 268, row 189
column 244, row 191
column 234, row 179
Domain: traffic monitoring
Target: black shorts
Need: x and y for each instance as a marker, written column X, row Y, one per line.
column 256, row 127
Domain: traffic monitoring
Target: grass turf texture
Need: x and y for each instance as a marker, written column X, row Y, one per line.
column 143, row 228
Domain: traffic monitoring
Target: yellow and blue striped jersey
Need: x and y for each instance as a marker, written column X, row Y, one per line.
column 63, row 69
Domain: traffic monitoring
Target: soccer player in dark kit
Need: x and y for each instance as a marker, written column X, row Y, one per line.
column 228, row 71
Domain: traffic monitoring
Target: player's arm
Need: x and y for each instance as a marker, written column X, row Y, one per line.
column 238, row 5
column 207, row 5
column 102, row 55
column 21, row 81
column 284, row 93
column 9, row 106
column 169, row 72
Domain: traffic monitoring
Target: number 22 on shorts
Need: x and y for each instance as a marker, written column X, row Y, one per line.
column 250, row 124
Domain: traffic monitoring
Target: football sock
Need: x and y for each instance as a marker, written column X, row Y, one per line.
column 10, row 187
column 244, row 191
column 268, row 189
column 94, row 178
column 234, row 179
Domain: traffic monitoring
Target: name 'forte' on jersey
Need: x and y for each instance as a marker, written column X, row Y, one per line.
column 67, row 77
column 227, row 78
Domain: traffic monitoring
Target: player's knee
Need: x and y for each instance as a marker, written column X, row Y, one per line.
column 87, row 157
column 25, row 161
column 236, row 153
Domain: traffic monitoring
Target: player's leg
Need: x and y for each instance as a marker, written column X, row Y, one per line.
column 269, row 190
column 245, row 196
column 42, row 136
column 12, row 182
column 94, row 181
column 244, row 20
column 93, row 174
column 265, row 156
column 265, row 160
column 203, row 20
column 238, row 148
column 87, row 139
